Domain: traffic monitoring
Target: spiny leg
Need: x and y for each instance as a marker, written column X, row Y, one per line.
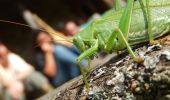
column 125, row 42
column 88, row 65
column 86, row 54
column 123, row 31
column 124, row 25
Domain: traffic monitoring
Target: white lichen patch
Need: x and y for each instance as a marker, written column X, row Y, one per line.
column 150, row 62
column 118, row 88
column 141, row 54
column 116, row 97
column 153, row 47
column 91, row 80
column 119, row 62
column 166, row 53
column 119, row 78
column 100, row 72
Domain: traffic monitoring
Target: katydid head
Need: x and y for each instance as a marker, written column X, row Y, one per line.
column 85, row 39
column 78, row 42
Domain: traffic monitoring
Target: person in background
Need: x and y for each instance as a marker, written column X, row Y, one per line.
column 56, row 61
column 71, row 28
column 18, row 77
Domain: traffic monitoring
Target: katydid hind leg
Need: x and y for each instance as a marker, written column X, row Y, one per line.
column 125, row 42
column 124, row 25
column 110, row 43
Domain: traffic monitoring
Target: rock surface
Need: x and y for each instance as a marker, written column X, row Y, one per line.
column 123, row 79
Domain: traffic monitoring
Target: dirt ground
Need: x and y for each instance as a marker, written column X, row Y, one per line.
column 121, row 78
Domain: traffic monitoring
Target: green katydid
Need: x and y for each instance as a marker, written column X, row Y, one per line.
column 136, row 23
column 117, row 30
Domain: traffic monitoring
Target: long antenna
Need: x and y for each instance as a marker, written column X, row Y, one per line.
column 16, row 23
column 57, row 38
column 49, row 29
column 36, row 22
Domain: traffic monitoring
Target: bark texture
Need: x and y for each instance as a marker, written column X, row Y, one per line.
column 123, row 79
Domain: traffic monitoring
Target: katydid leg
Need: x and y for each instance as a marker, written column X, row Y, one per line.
column 125, row 42
column 124, row 25
column 86, row 54
column 122, row 32
column 88, row 65
column 110, row 42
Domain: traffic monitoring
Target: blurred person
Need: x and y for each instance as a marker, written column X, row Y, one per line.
column 18, row 77
column 56, row 61
column 72, row 28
